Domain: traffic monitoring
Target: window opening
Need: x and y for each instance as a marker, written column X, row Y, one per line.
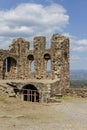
column 31, row 62
column 8, row 63
column 48, row 67
column 65, row 55
column 32, row 67
column 47, row 58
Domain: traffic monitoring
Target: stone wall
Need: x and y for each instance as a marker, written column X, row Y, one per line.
column 16, row 62
column 77, row 92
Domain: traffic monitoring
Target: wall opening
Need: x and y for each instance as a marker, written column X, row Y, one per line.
column 48, row 66
column 31, row 63
column 65, row 55
column 47, row 58
column 30, row 93
column 48, row 45
column 9, row 65
column 32, row 67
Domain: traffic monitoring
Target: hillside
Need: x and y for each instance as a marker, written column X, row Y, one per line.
column 78, row 78
column 78, row 75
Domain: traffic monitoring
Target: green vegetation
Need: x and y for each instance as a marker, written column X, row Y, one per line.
column 78, row 83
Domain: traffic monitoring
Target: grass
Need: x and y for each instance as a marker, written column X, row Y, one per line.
column 73, row 99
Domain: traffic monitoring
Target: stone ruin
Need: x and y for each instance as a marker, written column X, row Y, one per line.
column 29, row 74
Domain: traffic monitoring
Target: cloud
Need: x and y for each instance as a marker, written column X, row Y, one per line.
column 76, row 44
column 28, row 20
column 80, row 48
column 74, row 58
column 79, row 45
column 82, row 42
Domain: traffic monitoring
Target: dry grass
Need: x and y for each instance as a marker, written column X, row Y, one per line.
column 70, row 114
column 74, row 99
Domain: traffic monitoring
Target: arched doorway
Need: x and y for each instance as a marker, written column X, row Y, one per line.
column 30, row 93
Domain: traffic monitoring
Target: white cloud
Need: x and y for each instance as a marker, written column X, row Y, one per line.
column 82, row 42
column 27, row 20
column 76, row 44
column 80, row 48
column 75, row 58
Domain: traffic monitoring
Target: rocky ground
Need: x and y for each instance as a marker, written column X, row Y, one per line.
column 69, row 114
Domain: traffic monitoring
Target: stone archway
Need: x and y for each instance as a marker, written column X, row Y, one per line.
column 30, row 93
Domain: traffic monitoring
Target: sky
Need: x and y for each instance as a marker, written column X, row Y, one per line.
column 30, row 18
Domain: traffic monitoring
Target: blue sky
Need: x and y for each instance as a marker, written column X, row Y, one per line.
column 28, row 18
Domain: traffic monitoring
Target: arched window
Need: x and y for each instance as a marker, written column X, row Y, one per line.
column 9, row 68
column 9, row 63
column 31, row 57
column 48, row 69
column 31, row 63
column 32, row 66
column 47, row 58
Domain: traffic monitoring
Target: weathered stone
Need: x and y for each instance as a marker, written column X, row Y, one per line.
column 76, row 92
column 17, row 63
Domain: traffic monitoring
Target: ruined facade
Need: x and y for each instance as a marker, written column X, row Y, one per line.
column 29, row 68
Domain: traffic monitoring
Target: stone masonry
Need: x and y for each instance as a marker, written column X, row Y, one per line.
column 22, row 66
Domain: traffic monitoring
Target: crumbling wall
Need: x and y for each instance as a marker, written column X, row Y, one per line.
column 76, row 92
column 60, row 59
column 17, row 62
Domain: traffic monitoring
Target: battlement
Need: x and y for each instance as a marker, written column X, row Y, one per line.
column 39, row 41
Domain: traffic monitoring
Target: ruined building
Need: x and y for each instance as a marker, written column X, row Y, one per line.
column 25, row 72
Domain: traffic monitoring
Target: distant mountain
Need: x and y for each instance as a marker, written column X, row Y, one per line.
column 78, row 75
